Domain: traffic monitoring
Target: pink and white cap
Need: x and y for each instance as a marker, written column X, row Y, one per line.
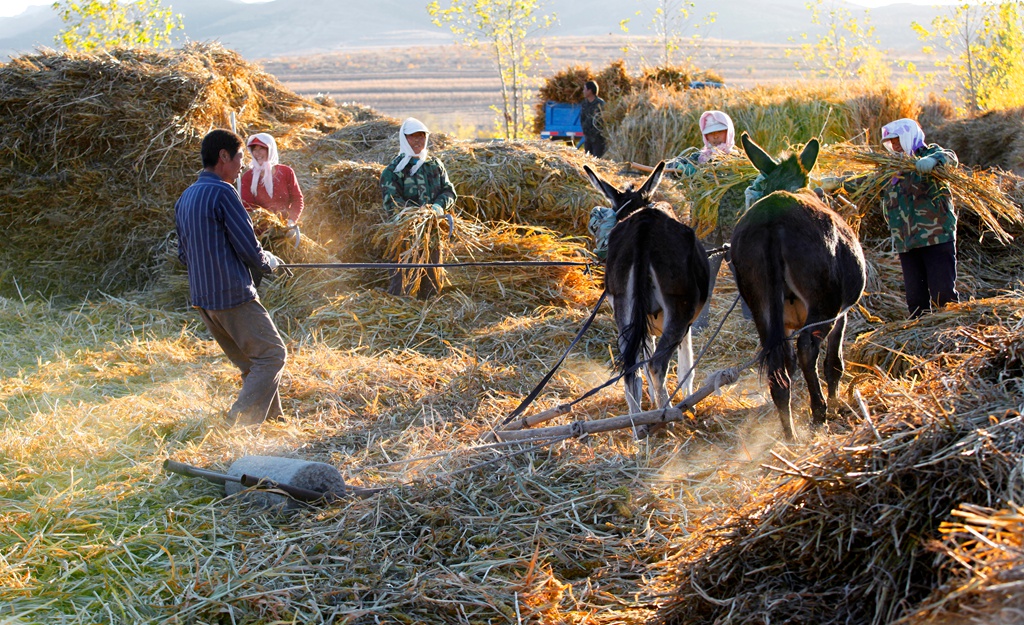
column 908, row 131
column 713, row 121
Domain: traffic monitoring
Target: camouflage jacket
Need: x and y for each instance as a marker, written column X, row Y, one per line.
column 918, row 207
column 429, row 185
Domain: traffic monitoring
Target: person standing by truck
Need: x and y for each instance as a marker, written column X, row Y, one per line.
column 591, row 121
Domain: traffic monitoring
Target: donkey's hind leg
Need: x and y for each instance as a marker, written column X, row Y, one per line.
column 807, row 348
column 632, row 380
column 685, row 362
column 834, row 365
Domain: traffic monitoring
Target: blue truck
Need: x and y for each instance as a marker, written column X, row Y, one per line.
column 562, row 123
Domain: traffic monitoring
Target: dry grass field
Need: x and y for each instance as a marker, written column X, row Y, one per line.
column 452, row 88
column 905, row 509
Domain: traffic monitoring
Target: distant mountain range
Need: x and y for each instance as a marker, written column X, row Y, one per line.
column 299, row 27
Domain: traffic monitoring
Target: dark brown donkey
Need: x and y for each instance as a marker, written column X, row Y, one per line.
column 657, row 282
column 797, row 265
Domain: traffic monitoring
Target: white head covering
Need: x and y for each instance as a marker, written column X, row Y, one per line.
column 266, row 169
column 712, row 121
column 908, row 131
column 410, row 126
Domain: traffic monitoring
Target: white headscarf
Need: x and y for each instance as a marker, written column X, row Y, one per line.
column 266, row 169
column 908, row 131
column 711, row 121
column 410, row 126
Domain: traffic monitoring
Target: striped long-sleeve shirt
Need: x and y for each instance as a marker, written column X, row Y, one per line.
column 217, row 244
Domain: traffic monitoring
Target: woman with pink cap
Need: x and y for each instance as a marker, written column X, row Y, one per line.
column 719, row 136
column 268, row 184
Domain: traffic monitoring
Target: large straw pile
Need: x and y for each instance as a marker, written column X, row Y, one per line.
column 995, row 139
column 653, row 124
column 842, row 534
column 96, row 148
column 525, row 182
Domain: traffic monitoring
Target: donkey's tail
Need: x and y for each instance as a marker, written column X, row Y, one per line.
column 633, row 347
column 775, row 349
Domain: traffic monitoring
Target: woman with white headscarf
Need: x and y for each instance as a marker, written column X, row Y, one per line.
column 415, row 178
column 269, row 184
column 919, row 210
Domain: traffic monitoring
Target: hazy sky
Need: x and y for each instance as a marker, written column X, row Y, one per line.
column 14, row 7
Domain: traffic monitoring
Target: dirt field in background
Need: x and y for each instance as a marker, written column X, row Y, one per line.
column 452, row 88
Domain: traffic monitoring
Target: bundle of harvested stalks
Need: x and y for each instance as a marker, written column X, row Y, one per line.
column 417, row 235
column 946, row 336
column 975, row 191
column 708, row 186
column 841, row 535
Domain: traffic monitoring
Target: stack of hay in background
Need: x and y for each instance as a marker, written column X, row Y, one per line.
column 96, row 149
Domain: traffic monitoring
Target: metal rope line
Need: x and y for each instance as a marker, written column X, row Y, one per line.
column 493, row 263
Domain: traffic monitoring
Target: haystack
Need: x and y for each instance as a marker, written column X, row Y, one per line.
column 533, row 183
column 98, row 147
column 844, row 533
column 653, row 124
column 995, row 139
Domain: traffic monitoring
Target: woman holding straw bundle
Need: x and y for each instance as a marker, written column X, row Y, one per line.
column 719, row 137
column 269, row 184
column 415, row 185
column 918, row 208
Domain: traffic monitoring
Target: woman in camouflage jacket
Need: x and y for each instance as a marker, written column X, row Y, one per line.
column 416, row 178
column 919, row 210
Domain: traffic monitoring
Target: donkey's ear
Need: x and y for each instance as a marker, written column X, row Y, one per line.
column 608, row 190
column 764, row 163
column 810, row 155
column 651, row 184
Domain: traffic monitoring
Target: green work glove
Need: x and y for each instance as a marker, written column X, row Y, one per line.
column 926, row 165
column 438, row 209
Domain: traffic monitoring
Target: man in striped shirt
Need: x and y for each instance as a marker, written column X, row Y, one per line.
column 225, row 264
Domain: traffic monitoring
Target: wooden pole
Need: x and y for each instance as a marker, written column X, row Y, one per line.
column 648, row 169
column 576, row 429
